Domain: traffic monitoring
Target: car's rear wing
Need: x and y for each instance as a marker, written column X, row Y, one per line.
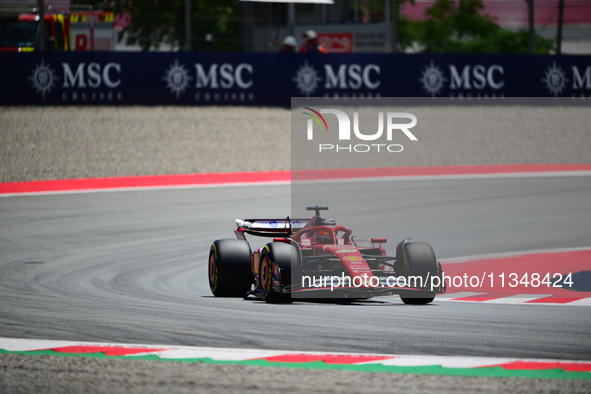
column 269, row 227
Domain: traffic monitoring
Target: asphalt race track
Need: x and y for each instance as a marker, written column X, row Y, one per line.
column 131, row 267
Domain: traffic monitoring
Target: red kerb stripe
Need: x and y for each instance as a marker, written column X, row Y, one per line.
column 541, row 365
column 107, row 350
column 210, row 179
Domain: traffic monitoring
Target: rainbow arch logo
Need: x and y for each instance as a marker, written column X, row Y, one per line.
column 316, row 115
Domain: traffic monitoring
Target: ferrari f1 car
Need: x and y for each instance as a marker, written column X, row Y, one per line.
column 316, row 258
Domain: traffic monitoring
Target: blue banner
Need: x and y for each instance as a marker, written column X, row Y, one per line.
column 270, row 79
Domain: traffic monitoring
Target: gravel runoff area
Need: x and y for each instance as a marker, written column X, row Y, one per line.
column 42, row 143
column 89, row 142
column 96, row 142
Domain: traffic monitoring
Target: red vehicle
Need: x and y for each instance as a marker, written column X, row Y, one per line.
column 316, row 258
column 20, row 33
column 72, row 31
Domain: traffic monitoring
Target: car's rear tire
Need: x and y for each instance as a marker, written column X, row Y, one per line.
column 229, row 269
column 275, row 272
column 420, row 261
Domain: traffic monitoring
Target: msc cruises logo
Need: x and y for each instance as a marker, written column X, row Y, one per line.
column 307, row 79
column 177, row 78
column 432, row 79
column 215, row 82
column 78, row 81
column 466, row 80
column 43, row 78
column 555, row 80
column 339, row 80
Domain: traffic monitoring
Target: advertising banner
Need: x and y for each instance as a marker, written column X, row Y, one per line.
column 270, row 79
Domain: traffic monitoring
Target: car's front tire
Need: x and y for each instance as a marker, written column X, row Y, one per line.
column 420, row 261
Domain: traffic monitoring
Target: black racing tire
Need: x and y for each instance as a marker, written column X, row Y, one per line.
column 230, row 274
column 420, row 261
column 279, row 254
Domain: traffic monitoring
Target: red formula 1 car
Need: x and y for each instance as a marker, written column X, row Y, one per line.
column 316, row 258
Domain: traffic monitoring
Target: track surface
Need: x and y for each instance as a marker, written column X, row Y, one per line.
column 131, row 267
